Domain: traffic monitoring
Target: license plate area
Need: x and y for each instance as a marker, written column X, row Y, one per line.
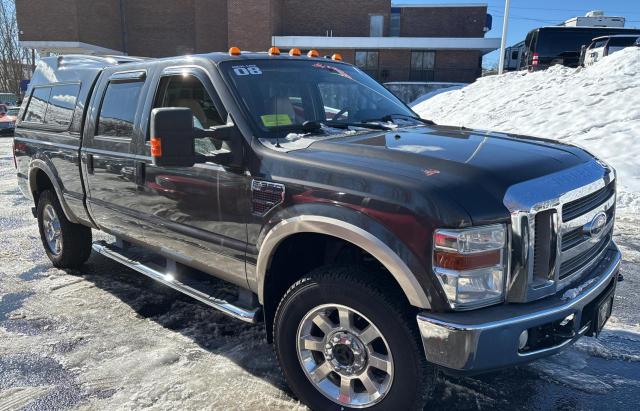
column 599, row 311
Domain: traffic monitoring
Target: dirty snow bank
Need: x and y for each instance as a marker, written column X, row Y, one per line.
column 597, row 108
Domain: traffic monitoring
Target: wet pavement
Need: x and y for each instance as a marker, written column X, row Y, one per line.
column 103, row 337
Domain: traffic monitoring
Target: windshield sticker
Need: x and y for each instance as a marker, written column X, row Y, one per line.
column 275, row 120
column 247, row 70
column 336, row 70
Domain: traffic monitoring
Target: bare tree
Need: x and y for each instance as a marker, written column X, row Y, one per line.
column 14, row 60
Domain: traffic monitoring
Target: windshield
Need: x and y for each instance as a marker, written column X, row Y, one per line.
column 310, row 97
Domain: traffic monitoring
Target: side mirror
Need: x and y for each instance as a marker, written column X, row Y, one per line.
column 172, row 137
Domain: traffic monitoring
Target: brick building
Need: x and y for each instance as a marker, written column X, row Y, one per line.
column 392, row 42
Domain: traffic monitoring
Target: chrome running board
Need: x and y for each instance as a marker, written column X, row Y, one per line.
column 243, row 314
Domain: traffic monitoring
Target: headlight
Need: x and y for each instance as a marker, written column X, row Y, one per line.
column 471, row 265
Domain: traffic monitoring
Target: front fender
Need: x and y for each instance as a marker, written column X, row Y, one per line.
column 354, row 227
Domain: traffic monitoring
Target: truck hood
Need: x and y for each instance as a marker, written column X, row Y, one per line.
column 472, row 167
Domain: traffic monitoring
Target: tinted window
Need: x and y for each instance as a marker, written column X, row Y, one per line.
column 394, row 22
column 622, row 41
column 61, row 104
column 556, row 42
column 37, row 108
column 118, row 109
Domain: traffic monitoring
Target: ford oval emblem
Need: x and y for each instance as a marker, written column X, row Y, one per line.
column 595, row 226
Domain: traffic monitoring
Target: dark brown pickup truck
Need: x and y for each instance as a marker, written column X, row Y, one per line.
column 376, row 247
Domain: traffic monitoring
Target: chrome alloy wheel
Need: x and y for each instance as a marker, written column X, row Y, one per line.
column 344, row 355
column 52, row 231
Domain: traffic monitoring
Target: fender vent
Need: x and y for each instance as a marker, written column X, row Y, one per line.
column 265, row 196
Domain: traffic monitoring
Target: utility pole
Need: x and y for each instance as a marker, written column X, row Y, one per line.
column 503, row 42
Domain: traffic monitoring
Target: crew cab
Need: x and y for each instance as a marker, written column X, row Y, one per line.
column 377, row 248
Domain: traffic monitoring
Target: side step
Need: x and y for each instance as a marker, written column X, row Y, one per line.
column 244, row 314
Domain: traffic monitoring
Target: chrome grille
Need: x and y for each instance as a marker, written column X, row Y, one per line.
column 553, row 236
column 587, row 203
column 586, row 258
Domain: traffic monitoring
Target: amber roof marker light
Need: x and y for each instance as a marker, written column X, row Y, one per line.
column 274, row 51
column 336, row 57
column 234, row 51
column 313, row 53
column 294, row 52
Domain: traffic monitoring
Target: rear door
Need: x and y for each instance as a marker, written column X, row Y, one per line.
column 197, row 214
column 108, row 151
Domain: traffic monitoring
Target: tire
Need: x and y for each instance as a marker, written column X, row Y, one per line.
column 327, row 293
column 67, row 245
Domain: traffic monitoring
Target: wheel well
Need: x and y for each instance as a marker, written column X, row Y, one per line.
column 42, row 183
column 300, row 253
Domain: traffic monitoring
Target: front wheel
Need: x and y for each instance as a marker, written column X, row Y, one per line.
column 343, row 343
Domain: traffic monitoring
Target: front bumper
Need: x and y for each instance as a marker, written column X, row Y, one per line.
column 486, row 339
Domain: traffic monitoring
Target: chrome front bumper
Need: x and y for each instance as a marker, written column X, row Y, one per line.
column 487, row 339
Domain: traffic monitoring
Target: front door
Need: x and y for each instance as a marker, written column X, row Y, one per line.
column 199, row 212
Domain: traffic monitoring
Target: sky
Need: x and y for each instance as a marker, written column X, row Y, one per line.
column 525, row 15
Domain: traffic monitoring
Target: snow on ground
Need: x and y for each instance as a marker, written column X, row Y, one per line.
column 597, row 108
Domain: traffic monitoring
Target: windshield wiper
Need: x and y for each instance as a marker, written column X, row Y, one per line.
column 390, row 117
column 362, row 124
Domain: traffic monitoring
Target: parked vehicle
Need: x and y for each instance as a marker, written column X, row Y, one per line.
column 603, row 46
column 8, row 117
column 547, row 46
column 375, row 247
column 514, row 57
column 8, row 99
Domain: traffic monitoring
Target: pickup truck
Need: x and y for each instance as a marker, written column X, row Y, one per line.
column 377, row 248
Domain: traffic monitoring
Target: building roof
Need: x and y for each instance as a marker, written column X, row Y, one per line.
column 437, row 5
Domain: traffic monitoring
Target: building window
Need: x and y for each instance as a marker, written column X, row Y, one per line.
column 394, row 22
column 118, row 109
column 376, row 25
column 367, row 61
column 422, row 65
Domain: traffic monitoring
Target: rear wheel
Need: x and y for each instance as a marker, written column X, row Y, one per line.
column 343, row 343
column 67, row 245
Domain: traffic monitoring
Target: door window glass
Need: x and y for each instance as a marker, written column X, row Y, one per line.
column 118, row 109
column 189, row 92
column 62, row 102
column 37, row 108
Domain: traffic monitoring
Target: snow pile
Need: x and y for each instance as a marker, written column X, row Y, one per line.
column 597, row 108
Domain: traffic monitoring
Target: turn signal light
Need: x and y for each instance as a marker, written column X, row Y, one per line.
column 460, row 262
column 274, row 51
column 313, row 53
column 336, row 57
column 156, row 147
column 234, row 51
column 294, row 52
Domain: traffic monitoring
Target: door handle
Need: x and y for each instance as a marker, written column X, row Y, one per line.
column 90, row 163
column 140, row 172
